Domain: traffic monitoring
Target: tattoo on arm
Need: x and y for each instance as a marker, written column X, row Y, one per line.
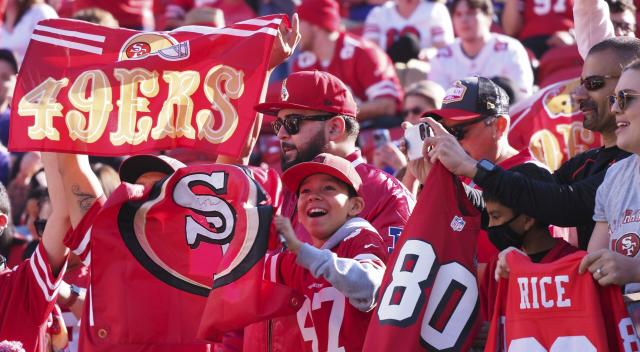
column 85, row 200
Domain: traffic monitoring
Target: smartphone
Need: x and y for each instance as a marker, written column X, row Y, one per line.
column 414, row 136
column 381, row 137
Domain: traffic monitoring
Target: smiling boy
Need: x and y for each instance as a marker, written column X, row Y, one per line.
column 341, row 271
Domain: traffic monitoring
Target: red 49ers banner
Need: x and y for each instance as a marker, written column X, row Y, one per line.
column 89, row 89
column 550, row 123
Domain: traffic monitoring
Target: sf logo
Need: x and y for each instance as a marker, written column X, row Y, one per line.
column 629, row 244
column 217, row 217
column 139, row 49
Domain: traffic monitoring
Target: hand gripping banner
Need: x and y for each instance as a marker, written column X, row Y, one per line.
column 94, row 90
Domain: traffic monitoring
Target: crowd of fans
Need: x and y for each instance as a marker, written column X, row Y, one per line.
column 462, row 62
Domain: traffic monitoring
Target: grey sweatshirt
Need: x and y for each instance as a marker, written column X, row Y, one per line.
column 357, row 280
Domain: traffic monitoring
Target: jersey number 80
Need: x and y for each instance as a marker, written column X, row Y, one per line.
column 452, row 305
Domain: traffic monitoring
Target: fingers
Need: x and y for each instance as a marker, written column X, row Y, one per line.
column 295, row 36
column 437, row 128
column 588, row 260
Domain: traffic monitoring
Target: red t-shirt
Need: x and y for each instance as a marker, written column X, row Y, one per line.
column 327, row 321
column 545, row 17
column 360, row 64
column 27, row 296
column 550, row 307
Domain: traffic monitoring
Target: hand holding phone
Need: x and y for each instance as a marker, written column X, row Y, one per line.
column 415, row 136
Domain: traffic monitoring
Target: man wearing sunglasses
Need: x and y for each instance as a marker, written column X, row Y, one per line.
column 316, row 113
column 570, row 200
column 475, row 111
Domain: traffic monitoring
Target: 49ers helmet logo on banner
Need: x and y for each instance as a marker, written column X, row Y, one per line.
column 183, row 230
column 143, row 45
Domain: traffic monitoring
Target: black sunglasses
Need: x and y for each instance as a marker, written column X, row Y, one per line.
column 291, row 122
column 413, row 111
column 458, row 131
column 595, row 82
column 39, row 224
column 622, row 98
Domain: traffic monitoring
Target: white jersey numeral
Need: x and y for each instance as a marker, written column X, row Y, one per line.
column 404, row 297
column 543, row 7
column 327, row 294
column 561, row 344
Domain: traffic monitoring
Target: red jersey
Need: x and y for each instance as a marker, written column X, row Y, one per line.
column 27, row 296
column 489, row 285
column 360, row 64
column 429, row 294
column 327, row 320
column 167, row 240
column 550, row 307
column 545, row 17
column 550, row 124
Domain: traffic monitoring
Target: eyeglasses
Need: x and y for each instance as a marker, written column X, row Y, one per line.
column 39, row 224
column 595, row 82
column 458, row 131
column 413, row 111
column 291, row 122
column 622, row 98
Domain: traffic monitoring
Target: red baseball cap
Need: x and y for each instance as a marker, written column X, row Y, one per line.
column 135, row 166
column 312, row 90
column 324, row 163
column 471, row 98
column 322, row 13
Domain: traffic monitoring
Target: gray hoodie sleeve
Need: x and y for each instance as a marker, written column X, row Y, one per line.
column 358, row 281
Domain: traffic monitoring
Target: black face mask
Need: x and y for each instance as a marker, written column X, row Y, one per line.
column 503, row 236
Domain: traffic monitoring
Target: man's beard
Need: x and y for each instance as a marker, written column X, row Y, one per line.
column 314, row 146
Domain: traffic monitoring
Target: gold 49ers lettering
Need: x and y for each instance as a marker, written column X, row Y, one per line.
column 92, row 99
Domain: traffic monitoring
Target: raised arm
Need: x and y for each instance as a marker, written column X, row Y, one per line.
column 58, row 222
column 283, row 47
column 512, row 18
column 592, row 24
column 79, row 185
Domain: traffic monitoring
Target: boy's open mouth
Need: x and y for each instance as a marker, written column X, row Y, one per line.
column 316, row 212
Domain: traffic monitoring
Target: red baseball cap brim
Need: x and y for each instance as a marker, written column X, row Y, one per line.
column 270, row 110
column 293, row 177
column 452, row 114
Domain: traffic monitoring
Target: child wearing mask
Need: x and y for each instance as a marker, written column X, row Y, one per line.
column 506, row 228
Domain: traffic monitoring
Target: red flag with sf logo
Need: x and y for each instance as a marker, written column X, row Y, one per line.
column 155, row 255
column 89, row 89
column 429, row 295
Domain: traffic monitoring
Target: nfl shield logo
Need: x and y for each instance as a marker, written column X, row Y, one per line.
column 457, row 224
column 284, row 94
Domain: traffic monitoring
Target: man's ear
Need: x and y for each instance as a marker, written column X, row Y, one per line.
column 335, row 128
column 502, row 126
column 4, row 221
column 355, row 204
